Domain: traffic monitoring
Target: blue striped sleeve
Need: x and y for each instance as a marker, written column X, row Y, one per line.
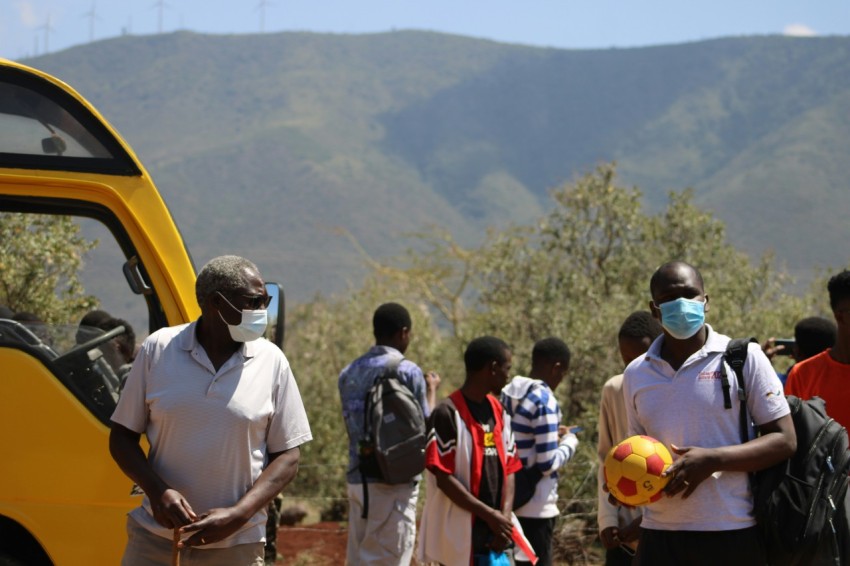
column 550, row 453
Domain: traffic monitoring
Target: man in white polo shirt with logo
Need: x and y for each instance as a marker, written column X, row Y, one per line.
column 224, row 418
column 673, row 393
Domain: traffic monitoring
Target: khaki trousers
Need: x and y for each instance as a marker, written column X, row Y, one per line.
column 147, row 549
column 386, row 537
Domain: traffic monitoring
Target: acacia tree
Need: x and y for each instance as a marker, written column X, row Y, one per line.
column 40, row 260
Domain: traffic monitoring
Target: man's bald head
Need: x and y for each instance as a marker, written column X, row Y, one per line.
column 674, row 272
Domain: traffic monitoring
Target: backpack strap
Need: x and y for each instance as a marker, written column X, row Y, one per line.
column 390, row 369
column 735, row 356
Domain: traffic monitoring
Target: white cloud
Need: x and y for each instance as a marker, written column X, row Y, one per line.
column 26, row 13
column 799, row 30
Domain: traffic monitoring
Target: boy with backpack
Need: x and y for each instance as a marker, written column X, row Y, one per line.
column 372, row 497
column 674, row 394
column 827, row 374
column 821, row 380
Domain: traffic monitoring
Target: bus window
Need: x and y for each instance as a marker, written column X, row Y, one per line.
column 43, row 127
column 69, row 302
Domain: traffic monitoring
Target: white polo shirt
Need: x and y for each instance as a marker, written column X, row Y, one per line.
column 210, row 431
column 685, row 408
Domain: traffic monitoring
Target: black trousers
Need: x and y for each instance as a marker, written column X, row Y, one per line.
column 741, row 547
column 618, row 557
column 539, row 533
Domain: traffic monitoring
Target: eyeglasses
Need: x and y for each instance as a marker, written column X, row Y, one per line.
column 257, row 302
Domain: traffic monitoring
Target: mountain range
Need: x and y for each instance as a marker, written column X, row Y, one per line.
column 272, row 146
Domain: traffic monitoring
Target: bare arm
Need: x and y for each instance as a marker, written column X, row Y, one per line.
column 220, row 523
column 170, row 508
column 508, row 503
column 500, row 542
column 777, row 442
column 432, row 383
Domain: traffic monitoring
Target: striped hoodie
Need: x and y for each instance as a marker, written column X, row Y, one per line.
column 535, row 416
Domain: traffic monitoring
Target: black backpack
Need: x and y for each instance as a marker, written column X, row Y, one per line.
column 525, row 483
column 799, row 504
column 394, row 433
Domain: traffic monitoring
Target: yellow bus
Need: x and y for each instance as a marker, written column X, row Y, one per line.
column 63, row 500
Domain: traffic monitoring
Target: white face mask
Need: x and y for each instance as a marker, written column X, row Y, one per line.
column 251, row 327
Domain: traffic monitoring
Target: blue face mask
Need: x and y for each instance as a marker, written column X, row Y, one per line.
column 682, row 318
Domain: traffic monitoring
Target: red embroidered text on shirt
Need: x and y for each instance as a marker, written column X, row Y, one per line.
column 708, row 375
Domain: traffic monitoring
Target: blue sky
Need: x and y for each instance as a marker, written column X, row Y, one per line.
column 579, row 24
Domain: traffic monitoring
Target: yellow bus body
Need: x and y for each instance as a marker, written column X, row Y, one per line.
column 58, row 483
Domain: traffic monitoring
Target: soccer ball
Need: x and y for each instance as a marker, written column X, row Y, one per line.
column 633, row 470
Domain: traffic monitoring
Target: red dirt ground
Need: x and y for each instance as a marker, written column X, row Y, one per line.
column 323, row 544
column 319, row 544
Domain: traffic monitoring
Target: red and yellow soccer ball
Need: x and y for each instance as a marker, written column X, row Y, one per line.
column 633, row 470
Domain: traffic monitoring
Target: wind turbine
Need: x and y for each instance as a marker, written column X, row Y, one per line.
column 128, row 29
column 92, row 16
column 262, row 8
column 47, row 29
column 160, row 5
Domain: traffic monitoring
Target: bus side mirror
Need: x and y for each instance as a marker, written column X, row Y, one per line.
column 277, row 314
column 53, row 144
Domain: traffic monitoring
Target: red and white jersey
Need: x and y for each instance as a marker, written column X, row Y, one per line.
column 460, row 445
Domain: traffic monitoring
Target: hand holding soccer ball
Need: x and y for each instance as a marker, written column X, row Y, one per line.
column 633, row 470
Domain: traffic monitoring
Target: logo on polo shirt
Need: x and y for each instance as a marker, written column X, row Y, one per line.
column 708, row 376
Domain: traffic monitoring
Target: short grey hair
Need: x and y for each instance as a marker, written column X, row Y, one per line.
column 222, row 274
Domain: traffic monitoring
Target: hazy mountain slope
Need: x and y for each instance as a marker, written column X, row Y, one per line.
column 543, row 115
column 761, row 86
column 799, row 173
column 264, row 145
column 266, row 149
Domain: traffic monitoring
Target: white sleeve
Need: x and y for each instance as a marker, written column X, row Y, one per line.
column 635, row 427
column 606, row 513
column 765, row 397
column 132, row 410
column 289, row 426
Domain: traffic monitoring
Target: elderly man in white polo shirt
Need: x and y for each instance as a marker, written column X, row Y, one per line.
column 673, row 393
column 224, row 418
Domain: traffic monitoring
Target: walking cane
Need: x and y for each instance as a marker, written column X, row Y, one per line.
column 175, row 552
